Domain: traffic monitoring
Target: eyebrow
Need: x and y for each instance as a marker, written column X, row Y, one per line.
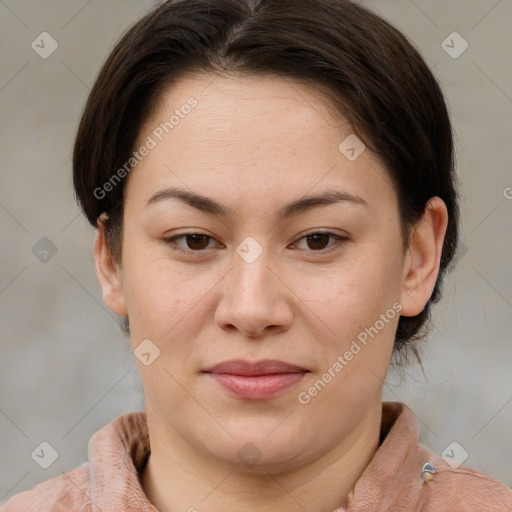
column 208, row 205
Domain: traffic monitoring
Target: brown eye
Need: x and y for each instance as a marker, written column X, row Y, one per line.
column 194, row 242
column 319, row 241
column 198, row 242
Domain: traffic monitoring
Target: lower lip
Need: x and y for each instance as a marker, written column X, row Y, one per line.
column 257, row 386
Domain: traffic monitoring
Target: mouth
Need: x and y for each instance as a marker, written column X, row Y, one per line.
column 256, row 380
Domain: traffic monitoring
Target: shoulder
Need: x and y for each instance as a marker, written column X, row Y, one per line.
column 464, row 489
column 405, row 476
column 67, row 492
column 115, row 452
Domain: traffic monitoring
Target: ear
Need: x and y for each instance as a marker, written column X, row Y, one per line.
column 422, row 261
column 108, row 272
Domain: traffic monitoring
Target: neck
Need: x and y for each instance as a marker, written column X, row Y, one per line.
column 177, row 478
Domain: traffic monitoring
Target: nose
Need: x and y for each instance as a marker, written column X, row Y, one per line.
column 254, row 301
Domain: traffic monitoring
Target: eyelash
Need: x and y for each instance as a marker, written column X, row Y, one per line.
column 171, row 241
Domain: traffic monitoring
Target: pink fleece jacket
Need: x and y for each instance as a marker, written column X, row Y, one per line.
column 109, row 481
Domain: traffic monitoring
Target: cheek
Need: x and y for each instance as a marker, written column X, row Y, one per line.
column 162, row 298
column 353, row 296
column 168, row 300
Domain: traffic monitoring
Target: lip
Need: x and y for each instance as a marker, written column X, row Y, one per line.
column 249, row 368
column 256, row 380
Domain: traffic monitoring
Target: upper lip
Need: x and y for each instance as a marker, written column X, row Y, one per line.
column 248, row 368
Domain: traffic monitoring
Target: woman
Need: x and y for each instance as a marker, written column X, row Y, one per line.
column 272, row 184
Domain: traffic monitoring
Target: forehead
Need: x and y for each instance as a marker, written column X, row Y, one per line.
column 260, row 133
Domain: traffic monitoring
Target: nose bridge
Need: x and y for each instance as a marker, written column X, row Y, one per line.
column 252, row 299
column 251, row 270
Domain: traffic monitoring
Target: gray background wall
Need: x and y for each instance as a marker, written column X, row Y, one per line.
column 65, row 368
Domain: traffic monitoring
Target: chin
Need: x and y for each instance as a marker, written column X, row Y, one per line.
column 258, row 447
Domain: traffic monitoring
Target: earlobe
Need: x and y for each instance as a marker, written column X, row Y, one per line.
column 423, row 257
column 109, row 273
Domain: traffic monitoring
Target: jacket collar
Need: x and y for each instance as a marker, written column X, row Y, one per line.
column 119, row 451
column 394, row 473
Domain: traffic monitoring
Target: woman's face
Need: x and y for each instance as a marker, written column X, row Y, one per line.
column 254, row 286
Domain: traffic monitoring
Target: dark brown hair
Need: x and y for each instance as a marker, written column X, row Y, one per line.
column 368, row 70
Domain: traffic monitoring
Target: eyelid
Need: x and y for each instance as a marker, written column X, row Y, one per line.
column 171, row 240
column 329, row 248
